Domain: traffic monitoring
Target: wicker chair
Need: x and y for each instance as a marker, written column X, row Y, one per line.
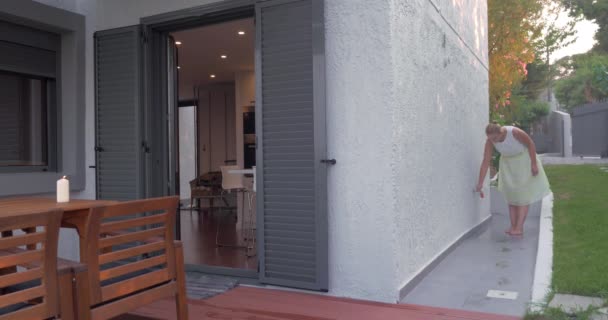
column 207, row 186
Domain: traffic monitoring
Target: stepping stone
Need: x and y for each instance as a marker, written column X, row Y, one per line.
column 601, row 314
column 598, row 316
column 571, row 303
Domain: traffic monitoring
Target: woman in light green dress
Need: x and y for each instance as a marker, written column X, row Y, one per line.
column 521, row 177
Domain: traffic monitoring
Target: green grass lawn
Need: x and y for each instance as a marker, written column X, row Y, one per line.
column 580, row 225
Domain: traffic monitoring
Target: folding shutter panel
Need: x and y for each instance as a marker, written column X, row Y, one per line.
column 118, row 83
column 292, row 204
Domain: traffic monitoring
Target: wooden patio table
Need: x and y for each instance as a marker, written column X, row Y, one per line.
column 75, row 212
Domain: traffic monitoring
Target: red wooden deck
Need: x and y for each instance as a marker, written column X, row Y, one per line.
column 244, row 303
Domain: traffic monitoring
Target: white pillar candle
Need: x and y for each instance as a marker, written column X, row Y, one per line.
column 63, row 189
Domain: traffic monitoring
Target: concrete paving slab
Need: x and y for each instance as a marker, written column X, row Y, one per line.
column 601, row 314
column 490, row 260
column 571, row 303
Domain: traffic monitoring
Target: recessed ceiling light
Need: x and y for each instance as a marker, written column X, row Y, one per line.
column 178, row 43
column 179, row 67
column 224, row 56
column 212, row 76
column 241, row 33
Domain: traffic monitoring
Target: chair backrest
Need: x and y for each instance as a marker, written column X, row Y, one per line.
column 130, row 247
column 28, row 265
column 231, row 181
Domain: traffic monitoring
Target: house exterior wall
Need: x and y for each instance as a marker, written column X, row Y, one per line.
column 359, row 96
column 69, row 140
column 440, row 109
column 405, row 118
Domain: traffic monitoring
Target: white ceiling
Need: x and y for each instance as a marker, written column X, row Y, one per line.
column 201, row 48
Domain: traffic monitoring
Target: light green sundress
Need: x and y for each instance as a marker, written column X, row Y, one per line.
column 515, row 179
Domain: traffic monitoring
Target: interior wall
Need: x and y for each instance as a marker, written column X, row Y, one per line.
column 187, row 149
column 217, row 132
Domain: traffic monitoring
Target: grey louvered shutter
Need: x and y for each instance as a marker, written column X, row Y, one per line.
column 118, row 89
column 292, row 186
column 10, row 126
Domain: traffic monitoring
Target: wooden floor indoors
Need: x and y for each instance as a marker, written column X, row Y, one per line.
column 198, row 237
column 246, row 303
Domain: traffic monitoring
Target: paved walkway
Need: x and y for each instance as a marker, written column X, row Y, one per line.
column 490, row 260
column 246, row 303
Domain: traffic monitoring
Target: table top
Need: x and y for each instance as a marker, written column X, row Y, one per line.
column 25, row 205
column 242, row 171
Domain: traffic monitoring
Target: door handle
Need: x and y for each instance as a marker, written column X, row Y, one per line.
column 145, row 147
column 98, row 149
column 329, row 161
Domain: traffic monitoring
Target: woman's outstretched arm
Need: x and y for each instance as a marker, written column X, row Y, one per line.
column 485, row 163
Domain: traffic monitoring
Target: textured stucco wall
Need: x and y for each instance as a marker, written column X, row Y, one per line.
column 360, row 107
column 122, row 13
column 69, row 5
column 405, row 117
column 440, row 109
column 68, row 238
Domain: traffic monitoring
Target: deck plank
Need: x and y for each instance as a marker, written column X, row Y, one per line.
column 246, row 303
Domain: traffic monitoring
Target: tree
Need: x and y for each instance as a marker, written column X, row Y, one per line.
column 539, row 78
column 584, row 79
column 512, row 24
column 521, row 39
column 594, row 10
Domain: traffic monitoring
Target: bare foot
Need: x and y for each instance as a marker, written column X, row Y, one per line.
column 516, row 233
column 508, row 231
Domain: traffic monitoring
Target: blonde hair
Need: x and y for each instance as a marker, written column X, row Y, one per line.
column 493, row 128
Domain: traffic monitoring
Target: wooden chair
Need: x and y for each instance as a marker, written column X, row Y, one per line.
column 33, row 287
column 144, row 265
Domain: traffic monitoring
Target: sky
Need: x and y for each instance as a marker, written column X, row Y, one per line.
column 585, row 30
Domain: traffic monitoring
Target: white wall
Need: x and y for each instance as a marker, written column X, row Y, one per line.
column 405, row 121
column 565, row 120
column 362, row 256
column 217, row 137
column 69, row 5
column 121, row 13
column 68, row 238
column 187, row 149
column 440, row 83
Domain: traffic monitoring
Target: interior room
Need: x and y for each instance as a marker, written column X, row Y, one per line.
column 216, row 83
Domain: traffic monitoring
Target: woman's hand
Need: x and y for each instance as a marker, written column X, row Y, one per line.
column 534, row 169
column 479, row 187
